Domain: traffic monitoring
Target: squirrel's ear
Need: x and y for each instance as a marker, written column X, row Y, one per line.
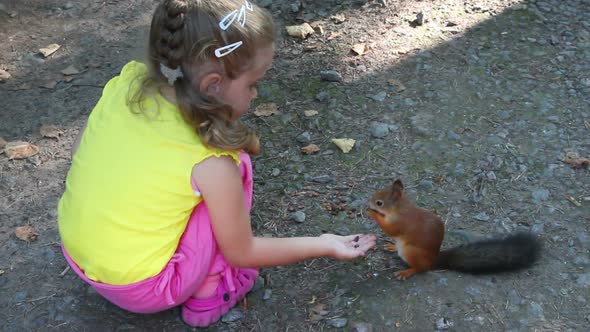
column 398, row 185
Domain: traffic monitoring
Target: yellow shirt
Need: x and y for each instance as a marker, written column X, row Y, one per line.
column 128, row 193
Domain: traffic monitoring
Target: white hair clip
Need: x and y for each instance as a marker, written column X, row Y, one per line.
column 227, row 21
column 171, row 74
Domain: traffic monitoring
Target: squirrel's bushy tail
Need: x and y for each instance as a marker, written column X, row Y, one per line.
column 511, row 253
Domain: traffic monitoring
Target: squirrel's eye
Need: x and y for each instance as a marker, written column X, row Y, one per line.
column 379, row 203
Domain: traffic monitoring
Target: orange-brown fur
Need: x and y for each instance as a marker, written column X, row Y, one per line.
column 418, row 233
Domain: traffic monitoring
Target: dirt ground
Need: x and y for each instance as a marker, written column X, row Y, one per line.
column 474, row 109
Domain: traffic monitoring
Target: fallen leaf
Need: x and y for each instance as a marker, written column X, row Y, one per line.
column 318, row 312
column 2, row 272
column 345, row 144
column 300, row 31
column 49, row 84
column 576, row 161
column 397, row 84
column 2, row 143
column 266, row 109
column 49, row 50
column 50, row 131
column 333, row 35
column 310, row 113
column 338, row 18
column 71, row 70
column 310, row 149
column 573, row 200
column 313, row 299
column 360, row 49
column 20, row 150
column 26, row 233
column 4, row 75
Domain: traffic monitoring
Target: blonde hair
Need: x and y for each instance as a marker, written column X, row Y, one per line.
column 186, row 33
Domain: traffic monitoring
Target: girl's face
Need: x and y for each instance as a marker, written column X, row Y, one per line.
column 240, row 92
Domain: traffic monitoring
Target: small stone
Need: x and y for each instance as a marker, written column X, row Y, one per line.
column 20, row 296
column 361, row 327
column 338, row 322
column 330, row 76
column 426, row 184
column 540, row 195
column 4, row 76
column 482, row 216
column 420, row 18
column 34, row 58
column 491, row 176
column 232, row 316
column 267, row 294
column 379, row 97
column 379, row 129
column 584, row 280
column 409, row 102
column 322, row 179
column 536, row 310
column 258, row 284
column 322, row 96
column 304, row 137
column 296, row 6
column 299, row 216
column 444, row 324
column 68, row 5
column 451, row 134
column 344, row 231
column 275, row 172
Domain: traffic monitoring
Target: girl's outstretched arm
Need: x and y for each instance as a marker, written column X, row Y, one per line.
column 220, row 183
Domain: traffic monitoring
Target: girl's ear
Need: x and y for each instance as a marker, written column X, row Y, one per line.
column 211, row 84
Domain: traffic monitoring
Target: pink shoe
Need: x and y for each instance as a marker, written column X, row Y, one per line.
column 235, row 284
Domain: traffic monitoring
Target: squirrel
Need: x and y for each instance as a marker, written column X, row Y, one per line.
column 419, row 233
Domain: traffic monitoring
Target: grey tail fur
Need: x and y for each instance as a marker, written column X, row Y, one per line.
column 511, row 253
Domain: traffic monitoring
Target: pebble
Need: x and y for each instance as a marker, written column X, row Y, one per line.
column 232, row 316
column 426, row 183
column 296, row 6
column 322, row 96
column 379, row 129
column 451, row 134
column 482, row 216
column 491, row 176
column 444, row 324
column 584, row 280
column 344, row 231
column 330, row 76
column 68, row 5
column 304, row 137
column 540, row 195
column 361, row 327
column 299, row 216
column 275, row 172
column 267, row 294
column 258, row 284
column 536, row 310
column 338, row 322
column 379, row 97
column 322, row 179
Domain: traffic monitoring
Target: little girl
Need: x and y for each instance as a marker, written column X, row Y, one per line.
column 156, row 208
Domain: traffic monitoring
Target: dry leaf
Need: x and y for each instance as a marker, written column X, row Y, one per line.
column 573, row 200
column 310, row 149
column 2, row 143
column 310, row 113
column 20, row 150
column 300, row 31
column 50, row 131
column 318, row 312
column 4, row 75
column 266, row 109
column 397, row 84
column 49, row 84
column 313, row 299
column 26, row 233
column 345, row 144
column 71, row 70
column 338, row 18
column 49, row 50
column 360, row 49
column 333, row 35
column 2, row 272
column 576, row 161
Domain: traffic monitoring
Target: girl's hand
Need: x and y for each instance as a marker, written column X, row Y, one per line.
column 349, row 247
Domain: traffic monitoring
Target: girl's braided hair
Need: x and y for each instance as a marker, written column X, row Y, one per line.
column 186, row 33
